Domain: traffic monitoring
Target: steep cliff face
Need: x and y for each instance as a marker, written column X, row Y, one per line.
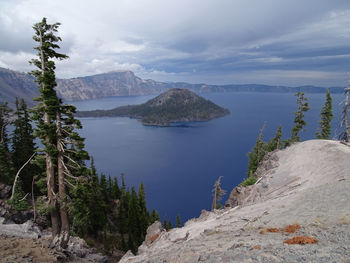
column 117, row 83
column 299, row 211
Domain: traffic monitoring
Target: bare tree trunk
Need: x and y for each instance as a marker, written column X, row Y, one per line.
column 50, row 170
column 17, row 175
column 33, row 200
column 213, row 205
column 64, row 235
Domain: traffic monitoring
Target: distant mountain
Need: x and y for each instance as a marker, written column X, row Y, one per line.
column 16, row 84
column 174, row 105
column 123, row 83
column 116, row 83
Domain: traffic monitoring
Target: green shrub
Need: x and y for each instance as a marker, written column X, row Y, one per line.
column 249, row 181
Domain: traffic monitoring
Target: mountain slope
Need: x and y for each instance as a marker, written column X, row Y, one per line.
column 122, row 83
column 16, row 84
column 174, row 105
column 116, row 83
column 303, row 195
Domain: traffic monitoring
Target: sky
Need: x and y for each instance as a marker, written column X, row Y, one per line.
column 274, row 42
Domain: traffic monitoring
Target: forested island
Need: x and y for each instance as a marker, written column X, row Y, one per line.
column 174, row 105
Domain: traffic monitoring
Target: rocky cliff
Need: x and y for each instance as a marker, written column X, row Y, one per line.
column 298, row 211
column 116, row 83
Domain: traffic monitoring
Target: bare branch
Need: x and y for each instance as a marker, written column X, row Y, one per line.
column 17, row 175
column 69, row 183
column 24, row 197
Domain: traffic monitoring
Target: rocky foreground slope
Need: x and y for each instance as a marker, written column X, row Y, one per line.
column 298, row 212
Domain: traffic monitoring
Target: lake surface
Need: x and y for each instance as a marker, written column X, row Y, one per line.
column 179, row 165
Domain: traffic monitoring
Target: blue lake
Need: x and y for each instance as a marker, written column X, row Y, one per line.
column 179, row 165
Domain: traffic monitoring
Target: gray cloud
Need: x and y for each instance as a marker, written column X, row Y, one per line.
column 225, row 41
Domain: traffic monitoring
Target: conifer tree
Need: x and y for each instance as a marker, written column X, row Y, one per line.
column 5, row 164
column 154, row 216
column 218, row 194
column 324, row 130
column 257, row 154
column 88, row 206
column 299, row 121
column 23, row 145
column 134, row 222
column 276, row 142
column 178, row 221
column 123, row 212
column 56, row 127
column 144, row 216
column 103, row 186
column 115, row 189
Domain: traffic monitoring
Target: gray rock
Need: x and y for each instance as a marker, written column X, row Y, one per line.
column 25, row 230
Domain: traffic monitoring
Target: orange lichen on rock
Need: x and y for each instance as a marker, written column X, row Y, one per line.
column 291, row 228
column 256, row 247
column 153, row 238
column 300, row 240
column 272, row 229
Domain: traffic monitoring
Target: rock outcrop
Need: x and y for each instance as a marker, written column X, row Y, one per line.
column 299, row 211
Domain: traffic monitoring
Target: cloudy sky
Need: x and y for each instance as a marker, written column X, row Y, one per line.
column 279, row 42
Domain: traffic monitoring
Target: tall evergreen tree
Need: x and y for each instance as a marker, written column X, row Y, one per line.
column 299, row 121
column 257, row 154
column 56, row 127
column 23, row 145
column 144, row 216
column 5, row 164
column 115, row 189
column 324, row 130
column 135, row 235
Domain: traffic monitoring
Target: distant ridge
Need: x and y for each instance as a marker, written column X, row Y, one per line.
column 123, row 83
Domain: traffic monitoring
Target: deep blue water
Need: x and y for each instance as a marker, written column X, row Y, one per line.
column 179, row 165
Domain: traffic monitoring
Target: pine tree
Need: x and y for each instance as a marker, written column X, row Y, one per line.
column 167, row 224
column 5, row 164
column 218, row 194
column 299, row 121
column 144, row 216
column 324, row 131
column 276, row 142
column 178, row 221
column 23, row 145
column 154, row 216
column 89, row 210
column 257, row 154
column 123, row 212
column 103, row 187
column 115, row 189
column 134, row 220
column 56, row 127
